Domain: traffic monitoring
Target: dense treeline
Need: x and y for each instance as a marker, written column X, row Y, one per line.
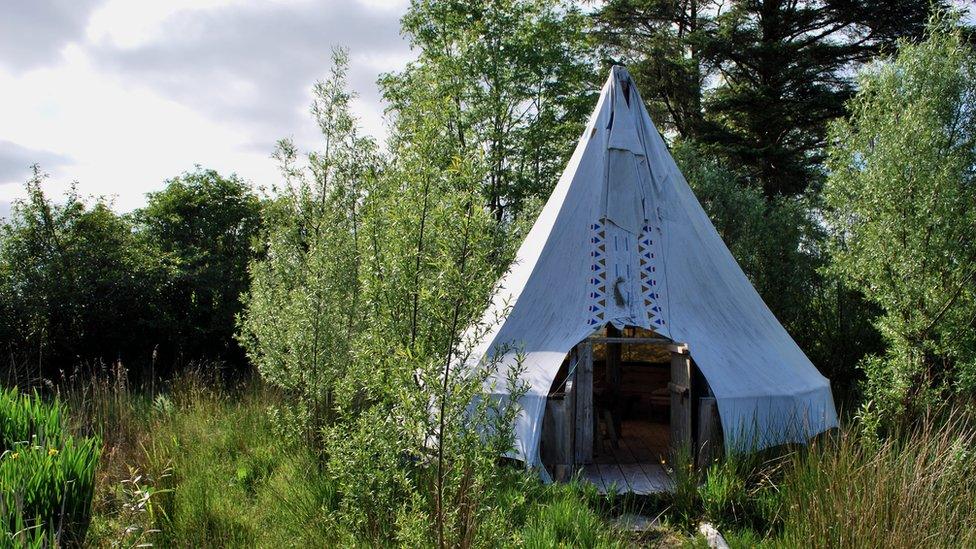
column 83, row 286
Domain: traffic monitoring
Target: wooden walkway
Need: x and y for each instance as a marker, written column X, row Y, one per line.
column 635, row 466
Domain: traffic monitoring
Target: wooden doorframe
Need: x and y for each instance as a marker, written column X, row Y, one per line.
column 680, row 389
column 583, row 418
column 573, row 422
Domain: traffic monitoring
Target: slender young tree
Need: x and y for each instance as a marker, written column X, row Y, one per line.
column 302, row 311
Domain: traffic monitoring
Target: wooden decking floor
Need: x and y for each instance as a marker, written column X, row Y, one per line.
column 635, row 466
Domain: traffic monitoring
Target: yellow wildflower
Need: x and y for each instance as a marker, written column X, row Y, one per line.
column 52, row 452
column 15, row 455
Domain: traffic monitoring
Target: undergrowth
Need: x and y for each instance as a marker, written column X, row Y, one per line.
column 47, row 476
column 207, row 469
column 203, row 467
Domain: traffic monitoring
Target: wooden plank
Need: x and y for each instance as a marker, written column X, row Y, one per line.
column 658, row 477
column 636, row 478
column 637, row 448
column 680, row 387
column 613, row 478
column 585, row 420
column 622, row 453
column 631, row 340
column 678, row 348
column 552, row 446
column 591, row 474
column 569, row 423
column 614, row 376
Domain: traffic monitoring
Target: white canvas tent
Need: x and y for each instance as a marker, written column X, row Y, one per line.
column 623, row 240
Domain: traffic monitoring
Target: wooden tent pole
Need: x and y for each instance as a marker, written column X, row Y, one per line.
column 614, row 352
column 680, row 388
column 584, row 404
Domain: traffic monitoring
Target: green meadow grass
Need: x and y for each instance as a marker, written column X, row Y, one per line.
column 201, row 467
column 212, row 472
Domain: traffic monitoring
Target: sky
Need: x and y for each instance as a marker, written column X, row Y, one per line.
column 120, row 95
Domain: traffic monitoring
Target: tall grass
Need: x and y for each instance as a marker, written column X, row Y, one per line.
column 210, row 470
column 203, row 466
column 915, row 489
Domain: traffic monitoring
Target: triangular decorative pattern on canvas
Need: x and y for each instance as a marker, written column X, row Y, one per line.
column 597, row 275
column 649, row 260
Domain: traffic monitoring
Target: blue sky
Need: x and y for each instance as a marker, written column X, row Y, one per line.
column 120, row 95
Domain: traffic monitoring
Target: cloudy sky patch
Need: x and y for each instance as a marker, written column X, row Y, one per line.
column 121, row 95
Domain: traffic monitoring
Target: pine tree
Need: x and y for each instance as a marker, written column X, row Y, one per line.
column 755, row 80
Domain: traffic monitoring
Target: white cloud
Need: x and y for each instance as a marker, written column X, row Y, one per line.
column 148, row 90
column 127, row 24
column 125, row 141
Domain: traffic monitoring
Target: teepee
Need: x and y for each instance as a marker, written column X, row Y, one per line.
column 622, row 240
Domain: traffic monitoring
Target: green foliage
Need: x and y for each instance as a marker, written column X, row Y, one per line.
column 741, row 492
column 842, row 490
column 372, row 273
column 214, row 473
column 515, row 82
column 902, row 204
column 203, row 225
column 26, row 419
column 69, row 273
column 564, row 522
column 756, row 81
column 303, row 310
column 80, row 284
column 46, row 476
column 915, row 488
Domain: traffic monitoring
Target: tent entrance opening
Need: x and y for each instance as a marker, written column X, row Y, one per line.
column 619, row 404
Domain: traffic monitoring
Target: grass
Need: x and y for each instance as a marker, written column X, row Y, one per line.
column 205, row 468
column 46, row 475
column 915, row 488
column 201, row 467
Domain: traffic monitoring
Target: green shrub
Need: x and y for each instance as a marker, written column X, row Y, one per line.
column 901, row 200
column 47, row 477
column 24, row 419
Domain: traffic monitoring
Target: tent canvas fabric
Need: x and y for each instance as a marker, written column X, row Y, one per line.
column 623, row 240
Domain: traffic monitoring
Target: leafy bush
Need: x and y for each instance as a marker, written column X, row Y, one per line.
column 68, row 272
column 203, row 224
column 902, row 205
column 46, row 476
